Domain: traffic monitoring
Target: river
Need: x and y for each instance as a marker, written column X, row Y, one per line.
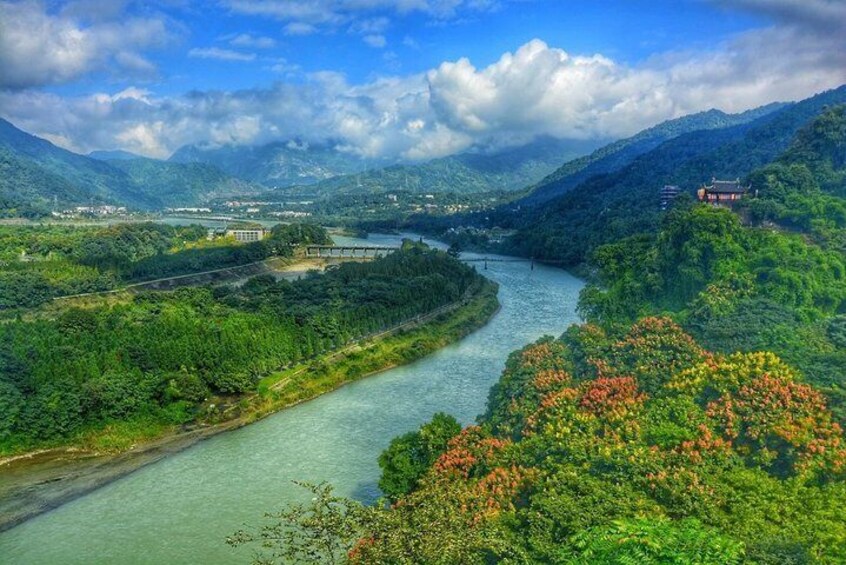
column 181, row 509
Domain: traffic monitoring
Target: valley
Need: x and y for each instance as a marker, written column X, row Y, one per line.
column 442, row 299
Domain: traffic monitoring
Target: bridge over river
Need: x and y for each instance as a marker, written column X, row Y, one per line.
column 323, row 251
column 363, row 251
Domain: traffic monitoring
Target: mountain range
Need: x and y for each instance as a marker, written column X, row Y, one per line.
column 36, row 175
column 620, row 153
column 568, row 215
column 564, row 207
column 509, row 169
column 274, row 165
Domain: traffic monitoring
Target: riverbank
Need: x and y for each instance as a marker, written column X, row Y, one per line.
column 37, row 482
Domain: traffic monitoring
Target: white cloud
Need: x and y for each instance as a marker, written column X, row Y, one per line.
column 299, row 28
column 220, row 54
column 375, row 40
column 331, row 14
column 281, row 65
column 39, row 48
column 251, row 41
column 370, row 25
column 537, row 89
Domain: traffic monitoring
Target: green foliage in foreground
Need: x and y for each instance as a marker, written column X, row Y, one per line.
column 160, row 355
column 655, row 542
column 40, row 263
column 635, row 447
column 410, row 455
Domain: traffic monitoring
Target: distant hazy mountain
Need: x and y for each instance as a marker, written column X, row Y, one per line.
column 508, row 169
column 275, row 165
column 114, row 155
column 35, row 174
column 620, row 153
column 182, row 183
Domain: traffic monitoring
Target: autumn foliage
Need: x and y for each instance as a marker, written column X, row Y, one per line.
column 645, row 427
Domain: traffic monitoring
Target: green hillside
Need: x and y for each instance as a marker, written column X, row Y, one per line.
column 615, row 205
column 37, row 175
column 616, row 155
column 178, row 184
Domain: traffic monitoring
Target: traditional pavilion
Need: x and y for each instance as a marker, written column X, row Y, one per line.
column 668, row 194
column 723, row 192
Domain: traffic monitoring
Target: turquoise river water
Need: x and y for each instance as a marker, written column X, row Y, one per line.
column 181, row 509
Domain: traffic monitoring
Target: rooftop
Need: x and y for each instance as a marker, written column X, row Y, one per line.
column 726, row 186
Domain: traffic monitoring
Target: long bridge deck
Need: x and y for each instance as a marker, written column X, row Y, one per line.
column 348, row 250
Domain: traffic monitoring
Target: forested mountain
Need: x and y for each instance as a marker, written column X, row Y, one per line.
column 36, row 173
column 615, row 205
column 182, row 184
column 275, row 165
column 616, row 155
column 508, row 169
column 113, row 155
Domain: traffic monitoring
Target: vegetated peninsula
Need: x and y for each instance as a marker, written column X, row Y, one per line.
column 105, row 373
column 112, row 372
column 696, row 418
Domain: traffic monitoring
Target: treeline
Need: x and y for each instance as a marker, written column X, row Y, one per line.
column 41, row 263
column 159, row 356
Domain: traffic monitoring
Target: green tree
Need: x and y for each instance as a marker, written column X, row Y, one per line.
column 655, row 542
column 410, row 455
column 322, row 531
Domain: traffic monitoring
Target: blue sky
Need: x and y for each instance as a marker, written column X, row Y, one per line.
column 403, row 79
column 414, row 41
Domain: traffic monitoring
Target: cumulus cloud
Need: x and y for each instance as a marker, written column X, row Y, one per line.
column 38, row 47
column 536, row 89
column 220, row 54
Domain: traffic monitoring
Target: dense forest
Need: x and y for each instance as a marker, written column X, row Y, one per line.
column 696, row 418
column 776, row 283
column 155, row 357
column 40, row 263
